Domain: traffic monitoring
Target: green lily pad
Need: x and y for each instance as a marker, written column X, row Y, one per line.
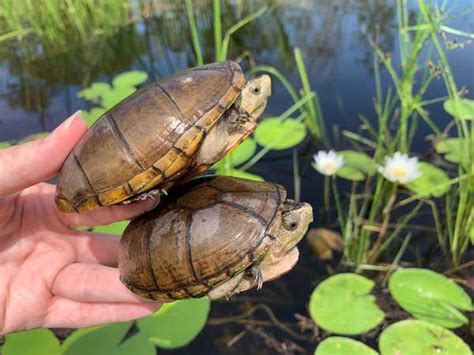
column 415, row 337
column 279, row 135
column 4, row 145
column 91, row 116
column 464, row 109
column 137, row 344
column 130, row 78
column 359, row 161
column 115, row 95
column 239, row 155
column 349, row 173
column 343, row 304
column 240, row 174
column 432, row 182
column 343, row 346
column 95, row 91
column 31, row 342
column 176, row 324
column 100, row 340
column 452, row 148
column 430, row 296
column 113, row 228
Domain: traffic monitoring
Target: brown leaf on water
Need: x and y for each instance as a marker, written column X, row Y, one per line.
column 324, row 242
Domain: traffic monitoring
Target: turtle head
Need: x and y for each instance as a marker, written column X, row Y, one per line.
column 255, row 95
column 294, row 221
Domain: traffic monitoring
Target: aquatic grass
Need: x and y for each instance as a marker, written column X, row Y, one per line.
column 194, row 32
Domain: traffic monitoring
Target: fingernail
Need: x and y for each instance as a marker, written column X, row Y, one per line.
column 65, row 124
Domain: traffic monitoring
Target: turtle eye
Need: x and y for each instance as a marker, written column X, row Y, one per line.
column 290, row 222
column 255, row 90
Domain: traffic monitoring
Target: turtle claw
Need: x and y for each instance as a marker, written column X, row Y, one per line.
column 149, row 194
column 257, row 276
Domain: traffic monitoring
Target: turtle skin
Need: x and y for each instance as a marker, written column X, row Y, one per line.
column 149, row 139
column 199, row 237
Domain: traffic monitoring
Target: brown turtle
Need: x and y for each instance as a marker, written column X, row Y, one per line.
column 169, row 130
column 215, row 236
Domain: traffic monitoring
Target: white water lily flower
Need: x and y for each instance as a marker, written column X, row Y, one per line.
column 328, row 163
column 400, row 168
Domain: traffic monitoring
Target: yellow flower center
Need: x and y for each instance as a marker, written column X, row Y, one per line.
column 330, row 165
column 399, row 171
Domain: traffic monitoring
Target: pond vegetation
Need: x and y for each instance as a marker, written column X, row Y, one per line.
column 395, row 268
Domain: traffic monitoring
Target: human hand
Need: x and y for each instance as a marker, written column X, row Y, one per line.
column 50, row 274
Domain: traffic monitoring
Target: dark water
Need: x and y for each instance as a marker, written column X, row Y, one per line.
column 39, row 86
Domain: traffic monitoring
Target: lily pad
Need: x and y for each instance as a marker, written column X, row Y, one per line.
column 359, row 161
column 130, row 78
column 113, row 228
column 464, row 109
column 177, row 323
column 276, row 134
column 95, row 91
column 343, row 346
column 91, row 116
column 240, row 174
column 115, row 95
column 452, row 148
column 415, row 337
column 432, row 182
column 31, row 342
column 343, row 304
column 430, row 296
column 239, row 155
column 350, row 173
column 4, row 145
column 137, row 344
column 100, row 340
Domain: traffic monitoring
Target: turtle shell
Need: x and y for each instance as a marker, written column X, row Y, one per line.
column 148, row 139
column 196, row 240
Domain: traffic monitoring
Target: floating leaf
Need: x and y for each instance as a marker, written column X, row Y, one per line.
column 31, row 342
column 432, row 182
column 342, row 304
column 113, row 228
column 343, row 346
column 137, row 344
column 95, row 91
column 177, row 323
column 350, row 173
column 430, row 296
column 130, row 78
column 359, row 161
column 4, row 145
column 463, row 109
column 100, row 340
column 239, row 155
column 278, row 135
column 91, row 116
column 452, row 148
column 418, row 337
column 115, row 95
column 239, row 174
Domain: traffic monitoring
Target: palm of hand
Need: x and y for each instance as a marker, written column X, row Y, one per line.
column 52, row 275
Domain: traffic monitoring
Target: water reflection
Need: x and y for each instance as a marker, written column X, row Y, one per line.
column 41, row 79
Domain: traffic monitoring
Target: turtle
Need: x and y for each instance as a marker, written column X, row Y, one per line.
column 166, row 132
column 213, row 236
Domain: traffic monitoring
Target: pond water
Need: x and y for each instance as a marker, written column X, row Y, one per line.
column 39, row 86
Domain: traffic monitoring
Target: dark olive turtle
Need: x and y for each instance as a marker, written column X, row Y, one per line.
column 216, row 237
column 168, row 130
